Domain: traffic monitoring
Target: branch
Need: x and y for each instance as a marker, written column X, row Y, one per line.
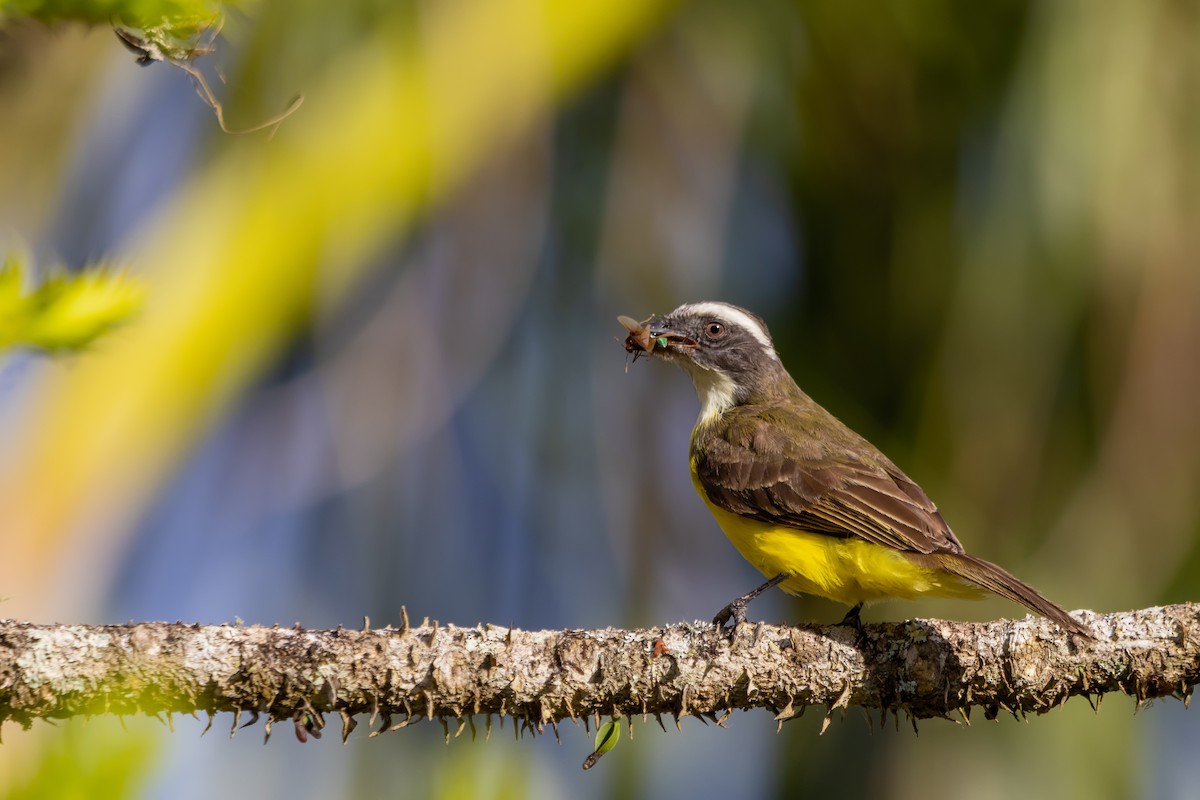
column 924, row 668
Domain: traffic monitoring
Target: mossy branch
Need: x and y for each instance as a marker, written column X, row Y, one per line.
column 394, row 677
column 175, row 17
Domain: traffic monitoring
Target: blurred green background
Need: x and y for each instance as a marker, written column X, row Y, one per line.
column 379, row 363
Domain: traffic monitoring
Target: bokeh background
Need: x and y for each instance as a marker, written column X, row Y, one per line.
column 379, row 364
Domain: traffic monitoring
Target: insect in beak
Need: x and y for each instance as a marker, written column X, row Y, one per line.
column 640, row 341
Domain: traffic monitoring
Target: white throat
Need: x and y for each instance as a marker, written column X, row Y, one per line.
column 716, row 390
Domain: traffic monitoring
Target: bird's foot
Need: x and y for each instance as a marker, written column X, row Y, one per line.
column 853, row 619
column 734, row 613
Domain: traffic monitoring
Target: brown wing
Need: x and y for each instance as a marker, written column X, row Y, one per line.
column 819, row 476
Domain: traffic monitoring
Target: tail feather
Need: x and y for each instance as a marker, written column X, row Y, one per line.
column 1000, row 581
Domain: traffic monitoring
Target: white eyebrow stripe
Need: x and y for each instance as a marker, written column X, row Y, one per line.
column 735, row 315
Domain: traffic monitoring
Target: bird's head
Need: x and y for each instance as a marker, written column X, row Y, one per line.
column 727, row 351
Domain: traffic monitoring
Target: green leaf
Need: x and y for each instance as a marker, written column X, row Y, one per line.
column 607, row 736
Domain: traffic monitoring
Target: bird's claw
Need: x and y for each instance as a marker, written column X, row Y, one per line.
column 853, row 619
column 735, row 612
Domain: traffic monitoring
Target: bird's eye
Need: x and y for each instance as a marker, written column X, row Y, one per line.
column 714, row 329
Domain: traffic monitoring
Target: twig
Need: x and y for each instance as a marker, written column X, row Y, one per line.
column 150, row 50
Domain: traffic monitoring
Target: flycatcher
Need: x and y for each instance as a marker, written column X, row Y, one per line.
column 810, row 503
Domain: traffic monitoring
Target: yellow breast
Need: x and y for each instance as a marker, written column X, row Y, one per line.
column 849, row 570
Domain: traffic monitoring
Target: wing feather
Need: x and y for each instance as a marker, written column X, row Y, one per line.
column 814, row 474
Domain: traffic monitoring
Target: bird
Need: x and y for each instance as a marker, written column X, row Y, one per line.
column 811, row 504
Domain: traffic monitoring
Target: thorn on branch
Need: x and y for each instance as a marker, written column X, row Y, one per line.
column 348, row 725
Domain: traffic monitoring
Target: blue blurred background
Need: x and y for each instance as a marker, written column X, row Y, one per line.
column 380, row 364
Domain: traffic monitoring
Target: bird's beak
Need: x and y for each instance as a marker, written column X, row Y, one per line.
column 653, row 335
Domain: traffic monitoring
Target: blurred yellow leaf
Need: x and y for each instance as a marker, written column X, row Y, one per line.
column 66, row 312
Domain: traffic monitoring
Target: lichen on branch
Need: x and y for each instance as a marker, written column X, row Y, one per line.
column 397, row 676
